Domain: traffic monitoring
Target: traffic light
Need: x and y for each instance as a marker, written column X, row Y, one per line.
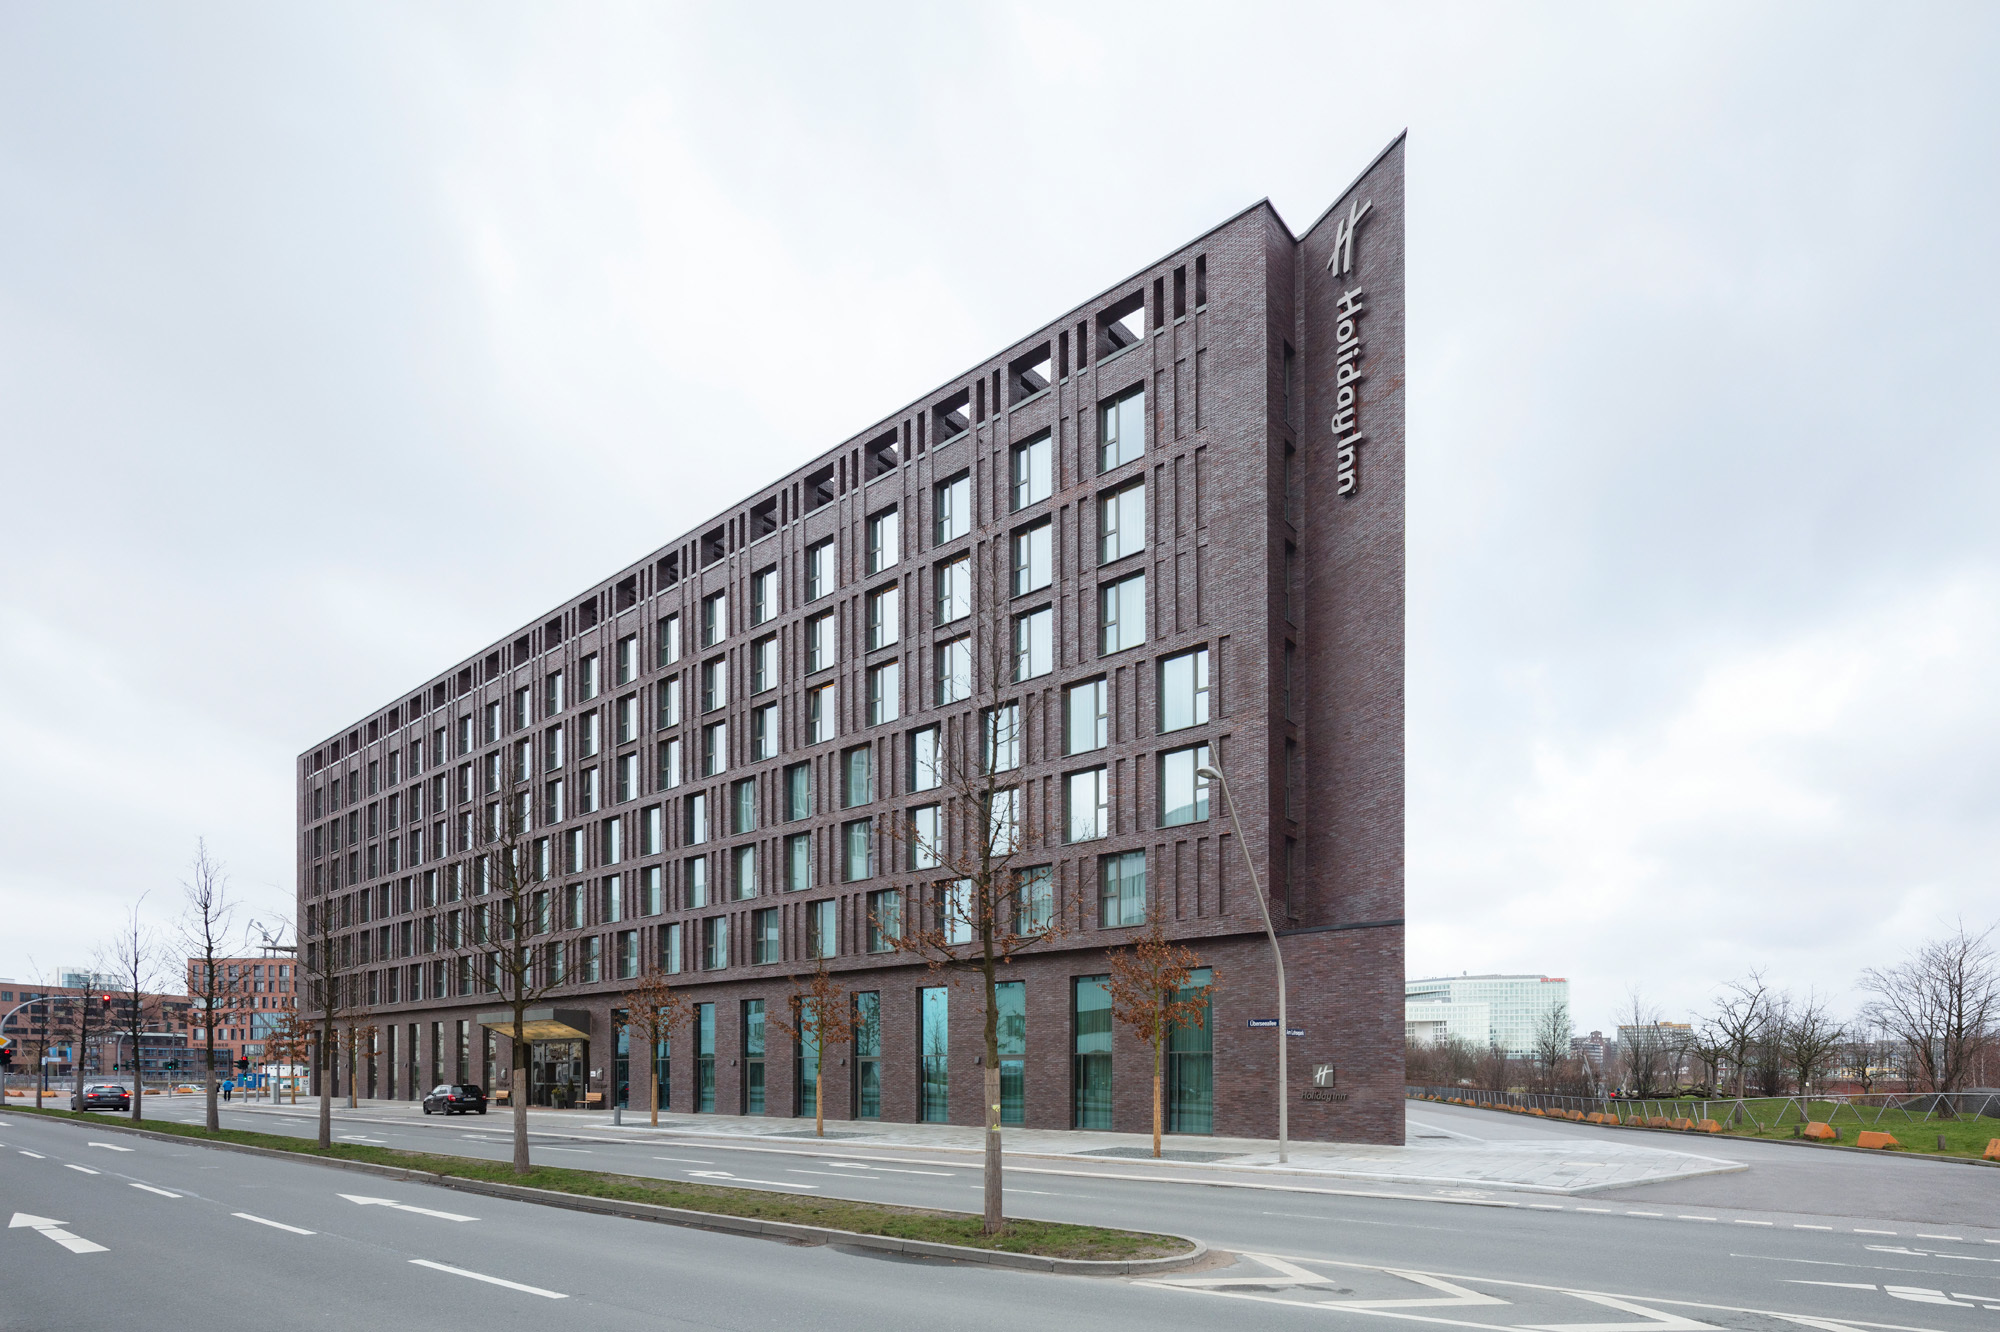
column 242, row 1066
column 6, row 1056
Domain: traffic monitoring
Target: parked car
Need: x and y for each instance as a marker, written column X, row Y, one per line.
column 455, row 1099
column 102, row 1096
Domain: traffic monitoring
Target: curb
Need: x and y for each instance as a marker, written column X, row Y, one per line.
column 717, row 1221
column 1685, row 1136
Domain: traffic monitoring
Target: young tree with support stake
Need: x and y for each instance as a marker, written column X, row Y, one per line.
column 654, row 1008
column 984, row 908
column 1150, row 994
column 137, row 960
column 204, row 930
column 330, row 996
column 822, row 1012
column 519, row 971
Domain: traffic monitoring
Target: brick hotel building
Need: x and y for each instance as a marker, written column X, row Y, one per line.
column 1183, row 501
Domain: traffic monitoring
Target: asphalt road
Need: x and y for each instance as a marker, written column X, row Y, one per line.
column 1312, row 1249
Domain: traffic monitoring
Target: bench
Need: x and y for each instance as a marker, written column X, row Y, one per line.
column 499, row 1096
column 595, row 1100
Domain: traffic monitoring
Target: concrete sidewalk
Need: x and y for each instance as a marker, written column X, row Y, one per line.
column 1429, row 1158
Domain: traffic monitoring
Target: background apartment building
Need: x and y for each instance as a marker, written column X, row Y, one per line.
column 256, row 994
column 1163, row 531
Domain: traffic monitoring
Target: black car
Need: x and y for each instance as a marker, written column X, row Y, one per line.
column 455, row 1099
column 102, row 1096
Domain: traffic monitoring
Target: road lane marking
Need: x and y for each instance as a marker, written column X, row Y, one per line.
column 733, row 1179
column 584, row 1150
column 685, row 1160
column 275, row 1225
column 150, row 1189
column 85, row 1169
column 111, row 1146
column 1607, row 1211
column 490, row 1280
column 1800, row 1225
column 794, row 1170
column 1299, row 1216
column 406, row 1207
column 1859, row 1231
column 1697, row 1218
column 37, row 1155
column 1956, row 1238
column 1644, row 1214
column 1744, row 1221
column 49, row 1226
column 1545, row 1207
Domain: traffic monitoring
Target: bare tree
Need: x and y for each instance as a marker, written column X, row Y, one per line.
column 653, row 1009
column 206, row 917
column 1811, row 1039
column 1552, row 1037
column 1150, row 993
column 821, row 1014
column 1709, row 1050
column 985, row 907
column 78, row 1017
column 329, row 995
column 1640, row 1045
column 517, row 969
column 356, row 1038
column 136, row 960
column 1942, row 1003
column 1742, row 1011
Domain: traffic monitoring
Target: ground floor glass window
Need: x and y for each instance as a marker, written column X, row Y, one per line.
column 1190, row 1072
column 1090, row 1017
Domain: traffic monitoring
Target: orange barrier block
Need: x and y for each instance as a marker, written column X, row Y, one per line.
column 1682, row 1124
column 1538, row 1112
column 1708, row 1126
column 1881, row 1140
column 1658, row 1121
column 1823, row 1132
column 1599, row 1117
column 1993, row 1149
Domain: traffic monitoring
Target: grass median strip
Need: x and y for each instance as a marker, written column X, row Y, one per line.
column 1048, row 1239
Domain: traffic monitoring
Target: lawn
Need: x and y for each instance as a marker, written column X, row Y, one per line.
column 1046, row 1239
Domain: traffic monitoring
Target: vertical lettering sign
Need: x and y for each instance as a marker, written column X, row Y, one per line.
column 1348, row 309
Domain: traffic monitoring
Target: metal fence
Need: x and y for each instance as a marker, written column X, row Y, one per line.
column 1762, row 1113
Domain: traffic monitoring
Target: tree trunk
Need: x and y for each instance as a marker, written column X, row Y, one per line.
column 324, row 1067
column 994, row 1218
column 653, row 1079
column 212, row 1118
column 819, row 1093
column 353, row 1067
column 518, row 1094
column 1159, row 1039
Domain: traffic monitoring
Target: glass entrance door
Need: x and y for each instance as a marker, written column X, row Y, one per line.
column 556, row 1069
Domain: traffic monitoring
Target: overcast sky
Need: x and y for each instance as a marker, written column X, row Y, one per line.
column 337, row 342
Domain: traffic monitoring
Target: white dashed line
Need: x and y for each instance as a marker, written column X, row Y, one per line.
column 1859, row 1231
column 1697, row 1218
column 1800, row 1225
column 85, row 1169
column 1644, row 1214
column 150, row 1189
column 689, row 1160
column 1604, row 1211
column 1743, row 1222
column 1956, row 1238
column 1545, row 1207
column 37, row 1155
column 275, row 1225
column 490, row 1280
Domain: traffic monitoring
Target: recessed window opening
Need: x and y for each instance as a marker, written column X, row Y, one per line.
column 668, row 571
column 1122, row 324
column 953, row 415
column 1029, row 375
column 881, row 456
column 714, row 545
column 819, row 488
column 764, row 518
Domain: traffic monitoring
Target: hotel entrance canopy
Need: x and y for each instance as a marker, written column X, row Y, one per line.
column 542, row 1024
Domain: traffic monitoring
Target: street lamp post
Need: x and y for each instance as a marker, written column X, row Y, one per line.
column 1214, row 774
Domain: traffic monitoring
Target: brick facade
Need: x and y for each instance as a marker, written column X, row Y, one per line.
column 1250, row 551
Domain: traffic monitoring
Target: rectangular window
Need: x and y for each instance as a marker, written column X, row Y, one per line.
column 667, row 702
column 1010, row 1003
column 1034, row 471
column 591, row 963
column 652, row 890
column 1088, row 796
column 884, row 617
column 697, row 882
column 819, row 569
column 670, row 949
column 764, row 664
column 628, row 777
column 552, row 802
column 1183, row 793
column 1090, row 1019
column 1121, row 893
column 957, row 912
column 714, row 684
column 857, row 850
column 764, row 732
column 934, row 1079
column 868, row 1055
column 954, row 670
column 885, row 541
column 1000, row 738
column 1121, row 523
column 1184, row 690
column 1003, row 824
column 954, row 590
column 798, row 791
column 763, row 595
column 798, row 862
column 1035, row 900
column 715, row 943
column 926, row 836
column 1034, row 558
column 1190, row 1072
column 1089, row 722
column 926, row 760
column 628, row 719
column 822, row 645
column 820, row 716
column 697, row 818
column 743, row 806
column 670, row 764
column 714, row 618
column 885, row 920
column 884, row 693
column 587, row 735
column 1121, row 429
column 704, row 1058
column 822, row 930
column 858, row 772
column 628, row 954
column 1121, row 612
column 954, row 508
column 670, row 640
column 1034, row 643
column 764, row 935
column 715, row 748
column 552, row 693
column 628, row 659
column 587, row 680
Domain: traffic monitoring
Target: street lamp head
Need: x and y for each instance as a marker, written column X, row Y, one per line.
column 1208, row 774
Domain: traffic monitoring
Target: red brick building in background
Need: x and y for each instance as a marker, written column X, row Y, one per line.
column 259, row 992
column 1191, row 488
